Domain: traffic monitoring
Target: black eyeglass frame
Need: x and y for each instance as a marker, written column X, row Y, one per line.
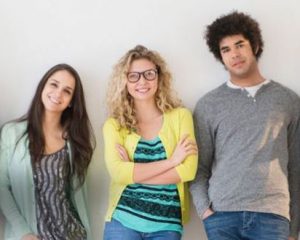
column 144, row 75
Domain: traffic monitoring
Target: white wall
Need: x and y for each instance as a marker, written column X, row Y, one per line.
column 91, row 35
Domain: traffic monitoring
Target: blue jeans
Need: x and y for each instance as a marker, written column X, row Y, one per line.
column 246, row 226
column 114, row 230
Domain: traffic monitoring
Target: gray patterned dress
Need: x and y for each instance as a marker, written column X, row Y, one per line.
column 57, row 218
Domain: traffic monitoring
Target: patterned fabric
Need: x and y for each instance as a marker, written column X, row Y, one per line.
column 57, row 218
column 150, row 208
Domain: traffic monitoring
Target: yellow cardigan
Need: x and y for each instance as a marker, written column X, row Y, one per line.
column 176, row 123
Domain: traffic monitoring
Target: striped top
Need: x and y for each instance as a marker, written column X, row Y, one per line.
column 150, row 208
column 57, row 218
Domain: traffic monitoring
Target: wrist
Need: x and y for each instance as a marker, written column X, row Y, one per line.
column 173, row 161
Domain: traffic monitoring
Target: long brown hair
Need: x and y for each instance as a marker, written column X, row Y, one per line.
column 76, row 125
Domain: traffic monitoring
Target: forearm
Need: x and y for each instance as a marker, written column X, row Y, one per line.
column 294, row 188
column 8, row 204
column 145, row 171
column 295, row 214
column 199, row 192
column 169, row 177
column 12, row 214
column 294, row 169
column 205, row 133
column 120, row 171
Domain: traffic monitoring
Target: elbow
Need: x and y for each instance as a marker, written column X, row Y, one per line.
column 190, row 177
column 121, row 176
column 193, row 175
column 122, row 180
column 187, row 175
column 187, row 172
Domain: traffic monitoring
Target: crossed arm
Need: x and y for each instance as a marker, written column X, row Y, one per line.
column 180, row 166
column 161, row 172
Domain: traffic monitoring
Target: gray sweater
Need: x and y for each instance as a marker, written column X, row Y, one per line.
column 249, row 152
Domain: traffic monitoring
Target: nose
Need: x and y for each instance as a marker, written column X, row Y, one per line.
column 58, row 93
column 235, row 53
column 142, row 79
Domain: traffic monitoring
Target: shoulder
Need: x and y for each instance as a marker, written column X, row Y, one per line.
column 14, row 128
column 287, row 98
column 13, row 132
column 111, row 123
column 179, row 112
column 177, row 117
column 284, row 91
column 214, row 94
column 212, row 98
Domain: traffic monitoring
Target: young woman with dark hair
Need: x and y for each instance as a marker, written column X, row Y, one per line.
column 44, row 159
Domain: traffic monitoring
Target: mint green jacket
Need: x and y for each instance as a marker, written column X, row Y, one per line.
column 17, row 197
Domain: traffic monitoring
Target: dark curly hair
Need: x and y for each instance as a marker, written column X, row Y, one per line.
column 233, row 24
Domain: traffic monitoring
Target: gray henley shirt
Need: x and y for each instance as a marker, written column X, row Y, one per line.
column 249, row 152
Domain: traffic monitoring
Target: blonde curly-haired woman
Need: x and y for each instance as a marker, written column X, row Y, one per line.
column 150, row 151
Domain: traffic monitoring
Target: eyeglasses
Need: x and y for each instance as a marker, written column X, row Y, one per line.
column 149, row 75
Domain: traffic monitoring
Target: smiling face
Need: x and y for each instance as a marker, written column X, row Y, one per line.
column 58, row 92
column 143, row 89
column 237, row 56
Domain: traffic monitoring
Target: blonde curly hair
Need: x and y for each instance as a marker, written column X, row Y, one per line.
column 119, row 101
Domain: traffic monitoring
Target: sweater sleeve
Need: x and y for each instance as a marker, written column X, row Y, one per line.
column 294, row 169
column 8, row 204
column 187, row 169
column 205, row 142
column 120, row 171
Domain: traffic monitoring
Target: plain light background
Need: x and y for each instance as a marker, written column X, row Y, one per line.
column 92, row 35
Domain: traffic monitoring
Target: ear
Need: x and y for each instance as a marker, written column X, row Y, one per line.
column 256, row 50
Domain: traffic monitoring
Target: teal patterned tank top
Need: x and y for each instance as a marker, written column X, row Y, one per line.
column 149, row 208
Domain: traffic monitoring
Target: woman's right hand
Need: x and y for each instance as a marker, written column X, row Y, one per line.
column 30, row 237
column 184, row 148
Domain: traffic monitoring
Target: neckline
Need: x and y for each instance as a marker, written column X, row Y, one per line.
column 158, row 133
column 153, row 140
column 225, row 86
column 234, row 86
column 57, row 151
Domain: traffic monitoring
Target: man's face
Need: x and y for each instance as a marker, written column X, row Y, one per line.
column 237, row 56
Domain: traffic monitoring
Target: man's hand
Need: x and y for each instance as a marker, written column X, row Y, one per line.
column 208, row 213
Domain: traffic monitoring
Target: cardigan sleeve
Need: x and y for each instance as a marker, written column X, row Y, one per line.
column 120, row 171
column 8, row 204
column 187, row 169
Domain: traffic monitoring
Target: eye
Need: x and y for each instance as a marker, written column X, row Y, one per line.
column 225, row 50
column 133, row 76
column 53, row 84
column 150, row 74
column 67, row 91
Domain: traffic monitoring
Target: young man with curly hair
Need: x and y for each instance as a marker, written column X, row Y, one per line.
column 248, row 134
